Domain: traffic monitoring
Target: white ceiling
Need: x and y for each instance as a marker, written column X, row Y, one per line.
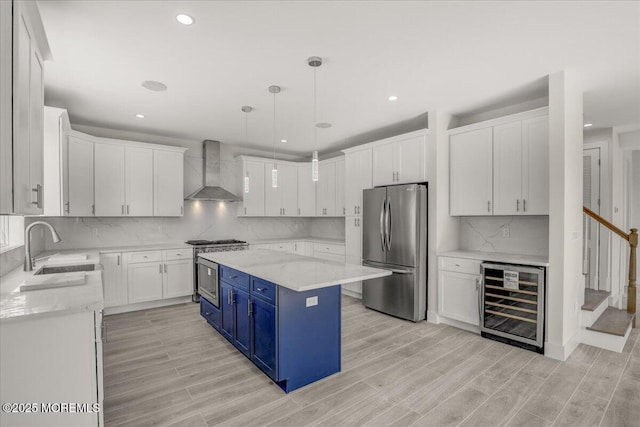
column 460, row 57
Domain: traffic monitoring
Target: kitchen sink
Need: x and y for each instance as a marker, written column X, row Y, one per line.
column 65, row 269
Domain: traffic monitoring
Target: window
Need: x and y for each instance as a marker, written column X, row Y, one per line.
column 11, row 232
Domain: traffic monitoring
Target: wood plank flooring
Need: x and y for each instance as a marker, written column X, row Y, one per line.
column 168, row 367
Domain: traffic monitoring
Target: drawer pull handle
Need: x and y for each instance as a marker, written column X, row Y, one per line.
column 206, row 313
column 457, row 265
column 261, row 289
column 233, row 277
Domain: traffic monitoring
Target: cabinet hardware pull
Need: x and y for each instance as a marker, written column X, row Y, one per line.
column 206, row 313
column 165, row 268
column 524, row 205
column 518, row 205
column 159, row 267
column 181, row 210
column 260, row 289
column 38, row 191
column 488, row 206
column 68, row 210
column 298, row 211
column 122, row 209
column 229, row 296
column 355, row 210
column 284, row 212
column 127, row 209
column 93, row 209
column 249, row 308
column 118, row 260
column 233, row 277
column 245, row 211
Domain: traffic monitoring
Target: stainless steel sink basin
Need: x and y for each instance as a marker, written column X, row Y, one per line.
column 65, row 269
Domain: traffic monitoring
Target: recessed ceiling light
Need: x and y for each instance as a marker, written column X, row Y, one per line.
column 140, row 116
column 184, row 19
column 393, row 98
column 283, row 140
column 588, row 124
column 154, row 85
column 324, row 125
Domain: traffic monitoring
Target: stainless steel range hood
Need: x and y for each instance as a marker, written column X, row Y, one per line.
column 211, row 186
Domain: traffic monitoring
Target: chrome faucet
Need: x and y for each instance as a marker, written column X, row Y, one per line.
column 28, row 263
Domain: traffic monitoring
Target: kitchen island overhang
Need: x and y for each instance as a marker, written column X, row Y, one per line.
column 282, row 311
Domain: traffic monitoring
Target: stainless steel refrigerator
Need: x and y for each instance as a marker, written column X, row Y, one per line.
column 394, row 237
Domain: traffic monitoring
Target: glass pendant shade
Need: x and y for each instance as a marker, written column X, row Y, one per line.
column 314, row 167
column 274, row 177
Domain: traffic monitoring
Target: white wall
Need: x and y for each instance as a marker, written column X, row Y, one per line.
column 635, row 199
column 565, row 280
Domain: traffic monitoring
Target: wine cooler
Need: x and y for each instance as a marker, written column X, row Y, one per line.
column 512, row 305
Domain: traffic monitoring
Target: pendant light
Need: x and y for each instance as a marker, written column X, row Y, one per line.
column 274, row 172
column 246, row 110
column 315, row 62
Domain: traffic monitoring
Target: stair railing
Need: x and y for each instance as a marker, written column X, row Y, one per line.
column 632, row 239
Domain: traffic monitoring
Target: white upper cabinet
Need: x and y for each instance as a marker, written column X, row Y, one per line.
column 138, row 181
column 535, row 166
column 383, row 165
column 306, row 191
column 471, row 169
column 109, row 179
column 281, row 200
column 326, row 189
column 507, row 169
column 501, row 167
column 168, row 178
column 341, row 209
column 401, row 159
column 77, row 177
column 68, row 167
column 253, row 200
column 6, row 116
column 358, row 177
column 29, row 49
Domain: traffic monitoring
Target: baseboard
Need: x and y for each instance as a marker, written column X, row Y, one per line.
column 562, row 352
column 460, row 325
column 146, row 305
column 353, row 294
column 432, row 317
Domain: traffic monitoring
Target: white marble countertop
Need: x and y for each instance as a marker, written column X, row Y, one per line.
column 297, row 239
column 16, row 305
column 296, row 272
column 535, row 260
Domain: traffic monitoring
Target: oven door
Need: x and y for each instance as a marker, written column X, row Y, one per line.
column 208, row 280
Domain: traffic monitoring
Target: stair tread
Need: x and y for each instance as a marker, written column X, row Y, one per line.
column 593, row 299
column 613, row 322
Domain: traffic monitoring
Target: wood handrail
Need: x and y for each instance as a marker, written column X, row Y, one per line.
column 606, row 223
column 632, row 239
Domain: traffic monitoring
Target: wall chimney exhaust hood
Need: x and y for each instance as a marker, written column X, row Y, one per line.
column 211, row 186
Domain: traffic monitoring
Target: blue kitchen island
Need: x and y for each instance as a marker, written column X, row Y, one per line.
column 282, row 311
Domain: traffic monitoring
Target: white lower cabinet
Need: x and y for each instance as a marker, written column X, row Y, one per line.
column 329, row 251
column 458, row 290
column 113, row 284
column 178, row 278
column 136, row 277
column 144, row 281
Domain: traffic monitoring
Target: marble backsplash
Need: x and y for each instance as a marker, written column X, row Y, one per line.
column 328, row 228
column 528, row 235
column 202, row 220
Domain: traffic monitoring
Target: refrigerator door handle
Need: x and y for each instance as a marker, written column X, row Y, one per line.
column 382, row 222
column 388, row 224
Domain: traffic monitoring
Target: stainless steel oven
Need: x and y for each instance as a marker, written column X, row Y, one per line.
column 208, row 280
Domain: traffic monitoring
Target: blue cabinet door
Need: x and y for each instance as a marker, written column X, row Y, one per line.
column 242, row 336
column 264, row 337
column 226, row 307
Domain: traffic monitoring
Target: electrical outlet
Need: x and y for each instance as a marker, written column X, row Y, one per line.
column 506, row 232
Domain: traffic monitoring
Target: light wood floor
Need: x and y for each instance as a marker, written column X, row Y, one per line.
column 168, row 367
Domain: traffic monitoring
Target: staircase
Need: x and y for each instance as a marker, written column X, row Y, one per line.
column 601, row 325
column 604, row 326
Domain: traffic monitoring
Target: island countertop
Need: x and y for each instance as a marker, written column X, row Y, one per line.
column 295, row 272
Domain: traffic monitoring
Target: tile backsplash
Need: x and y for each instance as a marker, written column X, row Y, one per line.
column 528, row 235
